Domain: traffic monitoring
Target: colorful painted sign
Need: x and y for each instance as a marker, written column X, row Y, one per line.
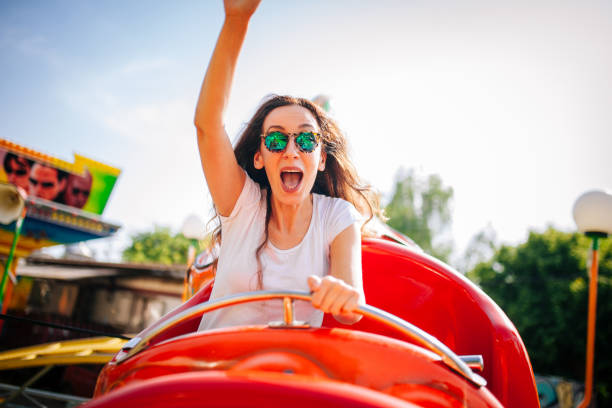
column 85, row 184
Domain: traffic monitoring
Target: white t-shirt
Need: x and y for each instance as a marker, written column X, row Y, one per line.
column 283, row 269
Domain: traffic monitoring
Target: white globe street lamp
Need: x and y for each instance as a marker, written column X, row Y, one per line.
column 193, row 227
column 593, row 216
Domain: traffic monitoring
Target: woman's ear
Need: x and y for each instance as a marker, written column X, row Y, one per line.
column 322, row 161
column 258, row 162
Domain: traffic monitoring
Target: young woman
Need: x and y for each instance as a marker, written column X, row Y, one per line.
column 286, row 197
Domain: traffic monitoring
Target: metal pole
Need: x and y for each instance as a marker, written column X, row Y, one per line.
column 31, row 381
column 9, row 260
column 191, row 256
column 45, row 394
column 590, row 351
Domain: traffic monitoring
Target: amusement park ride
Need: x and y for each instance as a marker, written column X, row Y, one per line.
column 459, row 349
column 429, row 338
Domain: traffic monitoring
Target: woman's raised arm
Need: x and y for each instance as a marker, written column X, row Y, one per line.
column 224, row 176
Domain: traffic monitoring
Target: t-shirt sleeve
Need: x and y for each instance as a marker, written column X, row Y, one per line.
column 341, row 214
column 249, row 198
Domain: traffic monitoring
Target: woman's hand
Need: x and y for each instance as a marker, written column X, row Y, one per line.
column 240, row 8
column 333, row 295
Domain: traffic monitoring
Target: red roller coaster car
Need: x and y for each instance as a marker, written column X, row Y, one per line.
column 459, row 349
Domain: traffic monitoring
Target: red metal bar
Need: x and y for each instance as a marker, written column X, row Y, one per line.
column 588, row 377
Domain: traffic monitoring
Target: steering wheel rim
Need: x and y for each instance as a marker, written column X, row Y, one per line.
column 421, row 337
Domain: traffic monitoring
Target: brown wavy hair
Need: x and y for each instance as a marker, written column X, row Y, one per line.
column 339, row 179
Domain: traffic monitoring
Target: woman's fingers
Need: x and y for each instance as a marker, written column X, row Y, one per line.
column 340, row 302
column 333, row 295
column 334, row 292
column 352, row 304
column 313, row 282
column 319, row 292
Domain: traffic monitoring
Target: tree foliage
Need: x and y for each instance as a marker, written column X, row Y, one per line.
column 420, row 208
column 159, row 246
column 542, row 285
column 481, row 248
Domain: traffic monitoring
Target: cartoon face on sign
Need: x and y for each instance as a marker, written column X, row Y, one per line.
column 78, row 189
column 85, row 184
column 47, row 182
column 17, row 170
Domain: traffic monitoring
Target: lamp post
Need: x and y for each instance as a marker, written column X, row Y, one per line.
column 12, row 208
column 593, row 216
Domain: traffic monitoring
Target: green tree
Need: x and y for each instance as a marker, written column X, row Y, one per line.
column 481, row 247
column 159, row 246
column 542, row 285
column 420, row 208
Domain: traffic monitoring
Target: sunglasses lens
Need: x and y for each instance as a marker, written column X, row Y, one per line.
column 18, row 172
column 276, row 141
column 78, row 191
column 306, row 141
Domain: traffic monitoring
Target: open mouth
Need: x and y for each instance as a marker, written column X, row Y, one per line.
column 291, row 179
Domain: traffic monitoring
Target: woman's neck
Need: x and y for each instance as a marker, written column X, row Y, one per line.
column 289, row 223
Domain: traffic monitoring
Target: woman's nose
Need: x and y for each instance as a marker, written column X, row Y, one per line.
column 291, row 150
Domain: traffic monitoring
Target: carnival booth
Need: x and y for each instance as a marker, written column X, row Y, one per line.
column 46, row 201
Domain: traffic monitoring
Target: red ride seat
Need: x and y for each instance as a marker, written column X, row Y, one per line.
column 444, row 303
column 437, row 299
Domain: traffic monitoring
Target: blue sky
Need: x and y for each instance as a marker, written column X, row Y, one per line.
column 509, row 102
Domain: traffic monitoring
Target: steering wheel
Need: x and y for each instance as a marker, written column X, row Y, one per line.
column 421, row 337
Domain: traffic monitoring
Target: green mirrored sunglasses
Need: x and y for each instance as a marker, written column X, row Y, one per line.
column 277, row 141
